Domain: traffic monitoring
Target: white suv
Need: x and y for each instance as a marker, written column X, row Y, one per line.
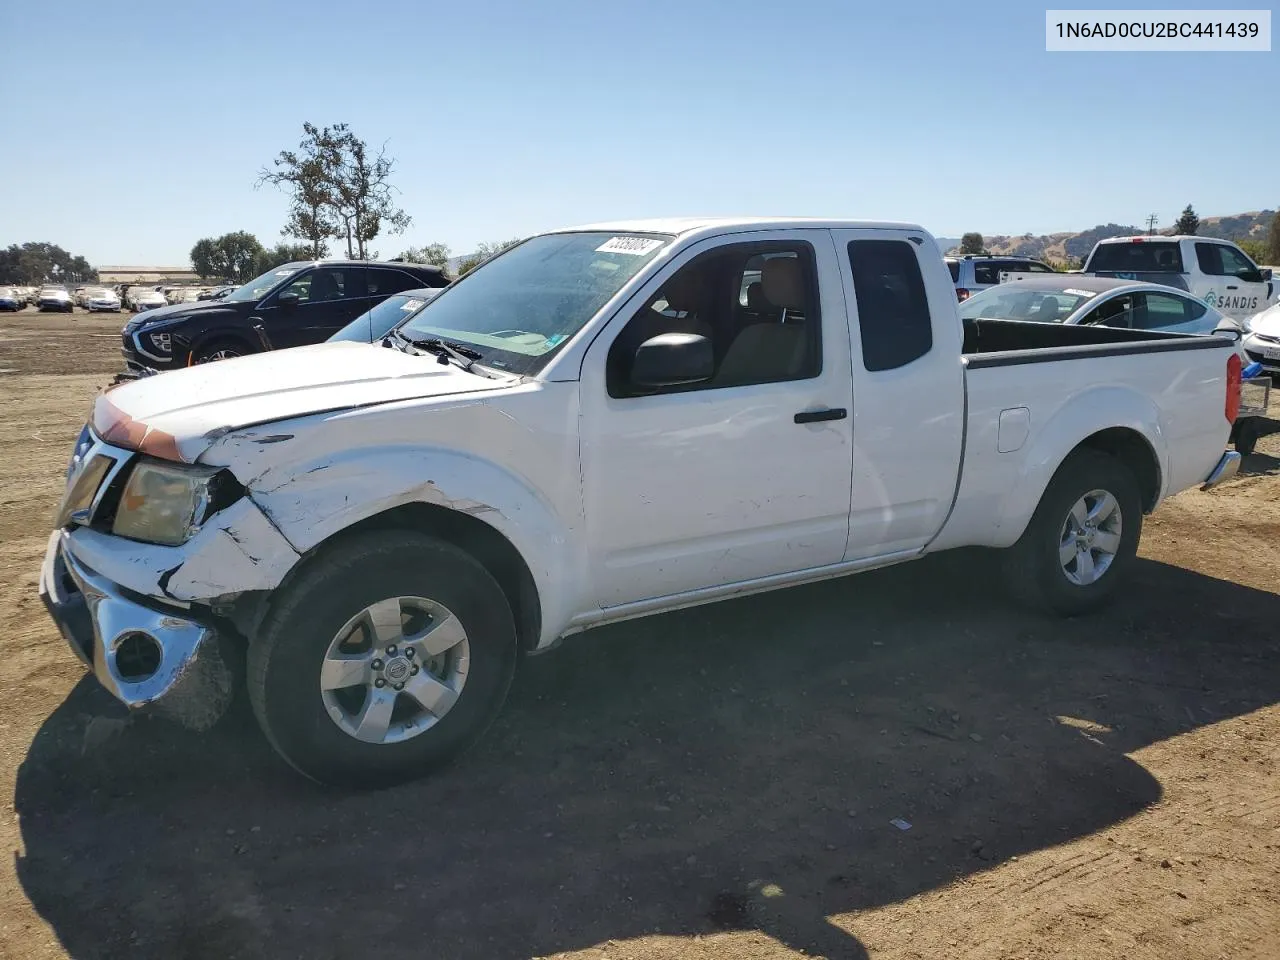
column 973, row 273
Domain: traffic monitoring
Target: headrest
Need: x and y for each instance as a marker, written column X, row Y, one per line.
column 783, row 282
column 683, row 291
column 1047, row 309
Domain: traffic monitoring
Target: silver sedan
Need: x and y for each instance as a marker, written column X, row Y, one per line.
column 1074, row 299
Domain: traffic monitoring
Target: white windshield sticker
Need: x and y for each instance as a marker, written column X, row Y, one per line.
column 412, row 304
column 636, row 246
column 1079, row 293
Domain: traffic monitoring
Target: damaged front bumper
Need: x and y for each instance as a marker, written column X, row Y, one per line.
column 141, row 652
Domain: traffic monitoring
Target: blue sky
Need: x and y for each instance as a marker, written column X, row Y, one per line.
column 133, row 129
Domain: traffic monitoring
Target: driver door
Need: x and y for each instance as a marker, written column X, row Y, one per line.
column 328, row 298
column 1236, row 287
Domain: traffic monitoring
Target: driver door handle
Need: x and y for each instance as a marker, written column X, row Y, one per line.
column 817, row 416
column 1231, row 286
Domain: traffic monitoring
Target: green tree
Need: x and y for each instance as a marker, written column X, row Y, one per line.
column 483, row 253
column 206, row 259
column 1273, row 240
column 1188, row 223
column 1256, row 249
column 436, row 254
column 34, row 263
column 283, row 253
column 240, row 253
column 972, row 243
column 232, row 256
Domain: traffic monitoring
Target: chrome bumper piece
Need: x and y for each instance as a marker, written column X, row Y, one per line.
column 1226, row 469
column 189, row 677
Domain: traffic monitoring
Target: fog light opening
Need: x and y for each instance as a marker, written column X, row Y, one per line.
column 137, row 656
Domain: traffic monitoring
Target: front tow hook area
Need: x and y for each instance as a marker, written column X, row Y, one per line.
column 144, row 656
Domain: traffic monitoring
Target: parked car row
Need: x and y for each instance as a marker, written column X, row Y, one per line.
column 288, row 306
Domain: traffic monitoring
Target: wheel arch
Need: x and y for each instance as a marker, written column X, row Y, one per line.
column 1118, row 422
column 229, row 334
column 494, row 552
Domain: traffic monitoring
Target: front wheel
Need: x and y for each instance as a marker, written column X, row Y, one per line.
column 220, row 350
column 387, row 657
column 1082, row 538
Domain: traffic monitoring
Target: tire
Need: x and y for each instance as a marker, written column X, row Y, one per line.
column 306, row 621
column 1246, row 437
column 222, row 349
column 1036, row 570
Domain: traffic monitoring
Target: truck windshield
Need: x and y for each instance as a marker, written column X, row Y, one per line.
column 1136, row 256
column 520, row 307
column 1012, row 302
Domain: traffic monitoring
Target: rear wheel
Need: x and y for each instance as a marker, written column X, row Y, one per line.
column 386, row 658
column 1082, row 538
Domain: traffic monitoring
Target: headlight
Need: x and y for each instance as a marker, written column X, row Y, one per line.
column 164, row 503
column 161, row 342
column 74, row 508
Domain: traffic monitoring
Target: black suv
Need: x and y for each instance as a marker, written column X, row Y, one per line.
column 294, row 304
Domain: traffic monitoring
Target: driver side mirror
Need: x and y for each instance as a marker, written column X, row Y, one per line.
column 673, row 360
column 287, row 299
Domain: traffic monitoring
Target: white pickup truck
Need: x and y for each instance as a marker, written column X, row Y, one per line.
column 1216, row 272
column 600, row 423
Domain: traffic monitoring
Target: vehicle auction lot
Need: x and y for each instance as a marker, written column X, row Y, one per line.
column 717, row 782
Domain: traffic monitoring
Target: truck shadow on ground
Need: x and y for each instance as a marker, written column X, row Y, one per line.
column 657, row 776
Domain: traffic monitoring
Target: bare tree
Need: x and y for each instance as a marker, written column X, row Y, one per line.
column 362, row 194
column 310, row 175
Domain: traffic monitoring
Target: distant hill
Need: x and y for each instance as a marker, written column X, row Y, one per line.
column 1064, row 246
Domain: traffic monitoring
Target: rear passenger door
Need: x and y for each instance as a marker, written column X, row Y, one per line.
column 908, row 390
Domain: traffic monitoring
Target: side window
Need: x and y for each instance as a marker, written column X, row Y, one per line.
column 383, row 282
column 893, row 310
column 954, row 267
column 1209, row 257
column 987, row 271
column 1034, row 267
column 1234, row 263
column 328, row 283
column 756, row 304
column 1116, row 312
column 1160, row 311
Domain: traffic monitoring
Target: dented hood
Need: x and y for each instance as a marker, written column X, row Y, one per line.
column 173, row 415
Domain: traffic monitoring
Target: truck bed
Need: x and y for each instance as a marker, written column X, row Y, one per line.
column 992, row 343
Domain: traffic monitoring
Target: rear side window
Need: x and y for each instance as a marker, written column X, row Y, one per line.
column 1161, row 310
column 893, row 311
column 1140, row 257
column 383, row 282
column 954, row 267
column 988, row 271
column 1036, row 267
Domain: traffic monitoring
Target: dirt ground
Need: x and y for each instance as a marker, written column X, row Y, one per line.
column 716, row 783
